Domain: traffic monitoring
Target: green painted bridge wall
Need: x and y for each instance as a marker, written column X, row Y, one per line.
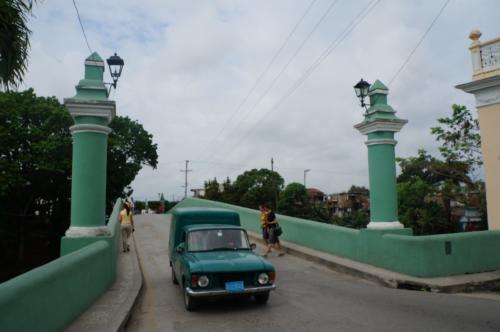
column 51, row 296
column 395, row 250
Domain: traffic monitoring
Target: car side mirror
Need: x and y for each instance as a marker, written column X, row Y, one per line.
column 179, row 249
column 253, row 246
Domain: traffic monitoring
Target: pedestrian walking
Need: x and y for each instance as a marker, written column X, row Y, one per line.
column 263, row 221
column 127, row 225
column 274, row 231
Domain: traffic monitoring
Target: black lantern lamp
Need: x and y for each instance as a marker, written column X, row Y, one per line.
column 361, row 89
column 115, row 64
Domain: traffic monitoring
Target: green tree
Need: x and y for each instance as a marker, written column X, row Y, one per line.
column 229, row 194
column 419, row 210
column 35, row 170
column 14, row 41
column 130, row 147
column 257, row 186
column 358, row 190
column 460, row 137
column 461, row 148
column 212, row 190
column 294, row 201
column 433, row 170
column 427, row 185
column 139, row 205
column 445, row 182
column 355, row 219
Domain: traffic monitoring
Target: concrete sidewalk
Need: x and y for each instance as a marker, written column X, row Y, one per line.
column 112, row 311
column 486, row 281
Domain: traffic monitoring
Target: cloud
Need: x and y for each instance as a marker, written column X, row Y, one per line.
column 189, row 64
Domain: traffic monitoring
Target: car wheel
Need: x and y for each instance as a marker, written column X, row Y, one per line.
column 174, row 279
column 261, row 298
column 189, row 302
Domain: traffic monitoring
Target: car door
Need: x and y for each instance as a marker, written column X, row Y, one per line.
column 177, row 259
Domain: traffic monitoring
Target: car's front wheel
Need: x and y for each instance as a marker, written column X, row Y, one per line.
column 189, row 302
column 261, row 298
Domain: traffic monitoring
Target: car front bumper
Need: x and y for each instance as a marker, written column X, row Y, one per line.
column 219, row 292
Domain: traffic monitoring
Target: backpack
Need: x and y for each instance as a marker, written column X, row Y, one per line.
column 277, row 228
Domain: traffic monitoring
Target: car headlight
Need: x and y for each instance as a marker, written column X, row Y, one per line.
column 263, row 278
column 203, row 281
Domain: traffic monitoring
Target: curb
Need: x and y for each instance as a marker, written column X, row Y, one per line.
column 486, row 281
column 139, row 288
column 112, row 310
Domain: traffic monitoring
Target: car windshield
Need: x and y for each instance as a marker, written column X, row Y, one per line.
column 217, row 239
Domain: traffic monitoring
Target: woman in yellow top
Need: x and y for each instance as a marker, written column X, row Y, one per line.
column 263, row 220
column 127, row 225
column 271, row 225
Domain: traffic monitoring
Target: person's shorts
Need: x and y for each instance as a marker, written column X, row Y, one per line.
column 272, row 238
column 265, row 233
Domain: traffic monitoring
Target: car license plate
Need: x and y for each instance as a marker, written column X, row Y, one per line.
column 234, row 286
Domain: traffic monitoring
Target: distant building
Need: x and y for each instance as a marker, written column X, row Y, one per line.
column 342, row 203
column 315, row 195
column 200, row 192
column 468, row 213
column 471, row 220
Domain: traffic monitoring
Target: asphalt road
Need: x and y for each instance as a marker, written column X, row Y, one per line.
column 309, row 297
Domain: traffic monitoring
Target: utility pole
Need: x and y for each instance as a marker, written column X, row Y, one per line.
column 275, row 191
column 305, row 173
column 186, row 171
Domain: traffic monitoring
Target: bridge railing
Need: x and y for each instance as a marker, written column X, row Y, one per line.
column 395, row 250
column 53, row 295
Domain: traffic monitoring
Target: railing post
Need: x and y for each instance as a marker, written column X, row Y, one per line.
column 92, row 112
column 379, row 125
column 475, row 52
column 485, row 86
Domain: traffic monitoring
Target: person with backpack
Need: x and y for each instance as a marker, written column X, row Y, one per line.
column 274, row 231
column 263, row 221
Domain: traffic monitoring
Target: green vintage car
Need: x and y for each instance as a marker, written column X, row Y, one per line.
column 210, row 256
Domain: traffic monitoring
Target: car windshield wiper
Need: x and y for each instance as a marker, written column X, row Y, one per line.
column 224, row 248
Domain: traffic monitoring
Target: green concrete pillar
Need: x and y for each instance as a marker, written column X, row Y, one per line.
column 91, row 111
column 379, row 125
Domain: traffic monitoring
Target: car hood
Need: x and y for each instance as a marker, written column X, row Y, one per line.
column 227, row 261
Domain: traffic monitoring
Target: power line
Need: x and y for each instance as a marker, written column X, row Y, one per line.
column 81, row 25
column 399, row 70
column 419, row 42
column 297, row 51
column 261, row 76
column 343, row 35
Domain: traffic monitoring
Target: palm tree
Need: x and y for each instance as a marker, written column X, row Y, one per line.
column 14, row 41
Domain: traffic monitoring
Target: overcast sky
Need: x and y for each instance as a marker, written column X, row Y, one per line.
column 193, row 78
